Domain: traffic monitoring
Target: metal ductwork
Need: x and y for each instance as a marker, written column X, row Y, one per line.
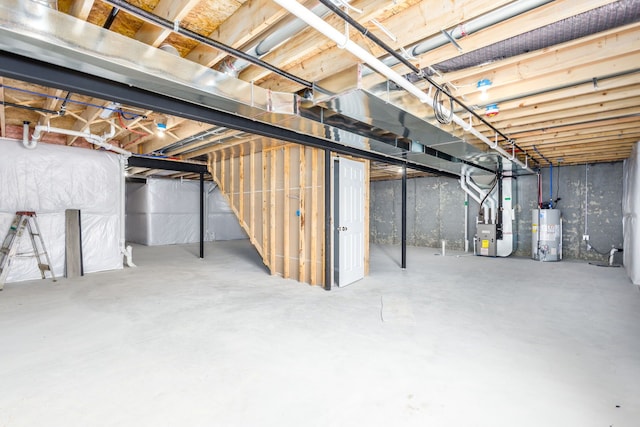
column 285, row 30
column 499, row 15
column 78, row 45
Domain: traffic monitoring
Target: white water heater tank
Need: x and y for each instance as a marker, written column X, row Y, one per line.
column 546, row 234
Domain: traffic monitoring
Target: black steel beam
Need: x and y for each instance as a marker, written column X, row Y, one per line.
column 42, row 73
column 166, row 164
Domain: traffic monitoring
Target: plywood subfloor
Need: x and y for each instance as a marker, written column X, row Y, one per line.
column 452, row 341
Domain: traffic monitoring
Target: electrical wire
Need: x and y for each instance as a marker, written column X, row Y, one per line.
column 558, row 185
column 130, row 130
column 438, row 106
column 495, row 181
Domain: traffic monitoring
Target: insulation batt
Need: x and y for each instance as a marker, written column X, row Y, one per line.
column 49, row 180
column 167, row 211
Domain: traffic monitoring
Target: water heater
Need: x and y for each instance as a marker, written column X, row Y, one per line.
column 546, row 234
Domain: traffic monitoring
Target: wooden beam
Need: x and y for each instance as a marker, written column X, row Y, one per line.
column 81, row 9
column 172, row 10
column 88, row 116
column 614, row 51
column 185, row 130
column 251, row 19
column 536, row 18
column 415, row 23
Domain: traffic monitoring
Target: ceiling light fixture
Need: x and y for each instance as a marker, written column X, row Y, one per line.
column 483, row 85
column 161, row 124
column 492, row 110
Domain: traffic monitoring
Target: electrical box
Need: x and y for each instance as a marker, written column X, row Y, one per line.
column 486, row 240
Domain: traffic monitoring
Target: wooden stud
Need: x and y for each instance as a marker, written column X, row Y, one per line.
column 272, row 213
column 286, row 214
column 265, row 225
column 252, row 189
column 232, row 177
column 222, row 171
column 302, row 273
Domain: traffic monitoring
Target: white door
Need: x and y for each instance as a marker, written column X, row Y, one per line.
column 349, row 214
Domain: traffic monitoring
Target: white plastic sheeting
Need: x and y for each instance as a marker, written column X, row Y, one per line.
column 167, row 211
column 51, row 179
column 631, row 215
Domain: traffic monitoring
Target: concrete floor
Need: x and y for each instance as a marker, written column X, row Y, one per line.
column 452, row 341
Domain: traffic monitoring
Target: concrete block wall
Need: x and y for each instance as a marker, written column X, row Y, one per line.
column 435, row 210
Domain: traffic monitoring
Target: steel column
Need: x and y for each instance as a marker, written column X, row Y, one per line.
column 328, row 228
column 404, row 217
column 201, row 215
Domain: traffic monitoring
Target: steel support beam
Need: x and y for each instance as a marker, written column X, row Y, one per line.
column 166, row 164
column 404, row 218
column 328, row 228
column 42, row 73
column 201, row 215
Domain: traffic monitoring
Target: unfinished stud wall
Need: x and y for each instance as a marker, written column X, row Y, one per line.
column 277, row 194
column 435, row 210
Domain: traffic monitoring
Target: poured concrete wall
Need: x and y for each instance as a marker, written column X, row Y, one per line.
column 435, row 210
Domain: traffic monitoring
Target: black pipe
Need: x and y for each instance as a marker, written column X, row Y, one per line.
column 365, row 32
column 328, row 229
column 540, row 154
column 201, row 215
column 28, row 107
column 111, row 17
column 156, row 20
column 63, row 107
column 404, row 217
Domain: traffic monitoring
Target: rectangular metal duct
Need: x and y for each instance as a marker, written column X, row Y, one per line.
column 396, row 112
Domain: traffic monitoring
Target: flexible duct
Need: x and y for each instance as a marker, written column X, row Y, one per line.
column 289, row 29
column 343, row 41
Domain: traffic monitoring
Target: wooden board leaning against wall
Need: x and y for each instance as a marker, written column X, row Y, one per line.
column 276, row 191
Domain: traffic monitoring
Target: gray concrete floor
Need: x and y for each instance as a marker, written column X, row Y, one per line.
column 452, row 341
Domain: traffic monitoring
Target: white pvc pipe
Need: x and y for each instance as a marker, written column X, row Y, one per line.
column 30, row 144
column 92, row 138
column 466, row 222
column 344, row 42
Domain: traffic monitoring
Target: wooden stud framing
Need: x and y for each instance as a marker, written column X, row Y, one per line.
column 302, row 276
column 265, row 225
column 286, row 213
column 272, row 212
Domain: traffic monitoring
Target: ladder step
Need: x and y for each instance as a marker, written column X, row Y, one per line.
column 44, row 267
